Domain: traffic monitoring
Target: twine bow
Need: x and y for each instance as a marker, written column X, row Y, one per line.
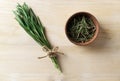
column 50, row 52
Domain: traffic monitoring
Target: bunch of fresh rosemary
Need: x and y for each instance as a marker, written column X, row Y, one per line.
column 82, row 29
column 33, row 26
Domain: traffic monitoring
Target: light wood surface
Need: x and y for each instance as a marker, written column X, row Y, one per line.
column 99, row 61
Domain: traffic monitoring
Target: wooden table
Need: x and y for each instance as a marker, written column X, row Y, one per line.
column 99, row 61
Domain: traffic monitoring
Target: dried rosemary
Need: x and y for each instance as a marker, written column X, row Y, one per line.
column 81, row 29
column 33, row 26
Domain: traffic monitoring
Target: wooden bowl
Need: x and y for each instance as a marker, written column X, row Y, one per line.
column 94, row 21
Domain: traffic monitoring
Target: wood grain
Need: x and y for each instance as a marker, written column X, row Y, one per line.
column 99, row 61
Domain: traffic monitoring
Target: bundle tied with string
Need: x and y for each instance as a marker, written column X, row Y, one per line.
column 33, row 26
column 50, row 53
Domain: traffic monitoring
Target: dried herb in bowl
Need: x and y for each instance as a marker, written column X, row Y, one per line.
column 82, row 28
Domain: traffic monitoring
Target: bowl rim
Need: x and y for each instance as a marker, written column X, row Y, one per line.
column 96, row 25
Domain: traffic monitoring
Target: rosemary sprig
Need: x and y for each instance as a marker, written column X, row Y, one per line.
column 33, row 26
column 82, row 29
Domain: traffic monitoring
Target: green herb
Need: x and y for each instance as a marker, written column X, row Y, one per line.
column 81, row 29
column 33, row 26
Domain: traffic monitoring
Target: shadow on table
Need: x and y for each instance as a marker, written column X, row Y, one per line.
column 101, row 42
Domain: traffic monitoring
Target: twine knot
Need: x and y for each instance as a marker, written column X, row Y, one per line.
column 50, row 52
